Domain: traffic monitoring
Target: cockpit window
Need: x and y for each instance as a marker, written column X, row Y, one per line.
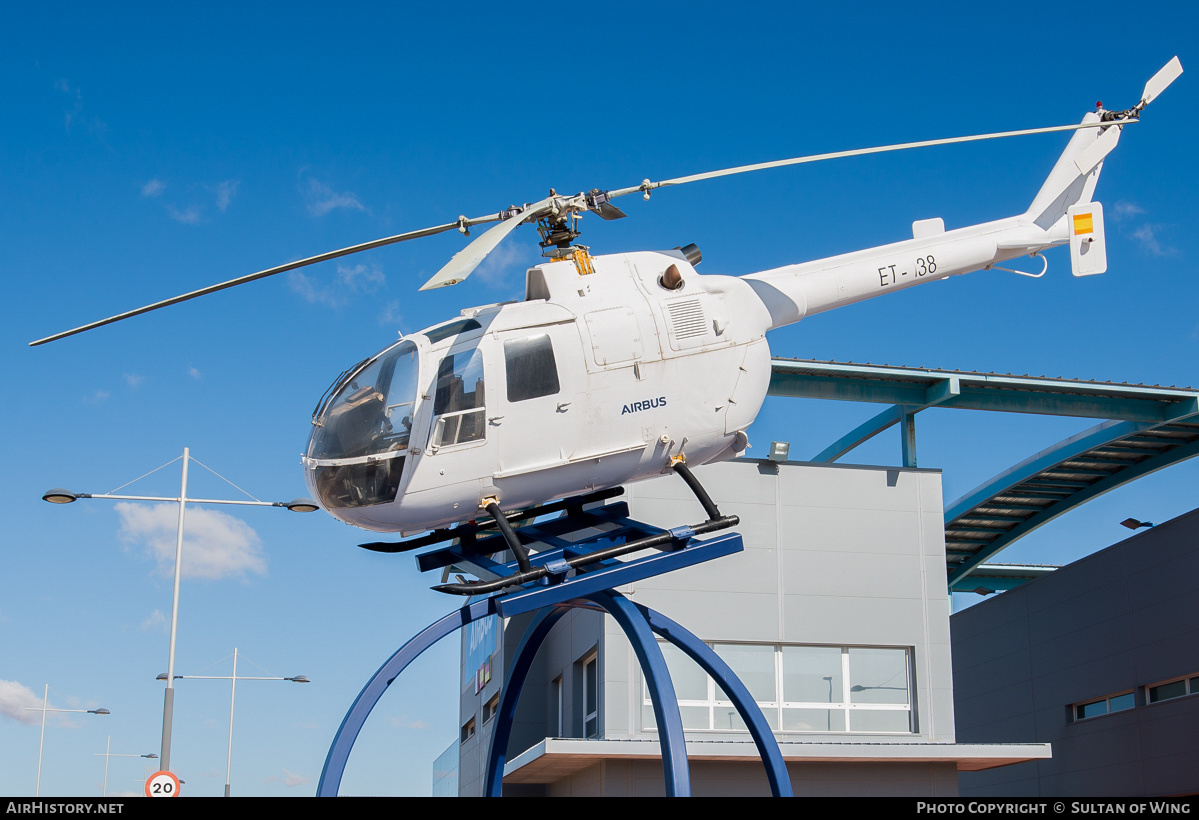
column 366, row 427
column 371, row 412
column 458, row 402
column 454, row 328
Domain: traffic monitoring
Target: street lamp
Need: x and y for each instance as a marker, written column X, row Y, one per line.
column 61, row 496
column 107, row 754
column 232, row 696
column 1134, row 524
column 44, row 708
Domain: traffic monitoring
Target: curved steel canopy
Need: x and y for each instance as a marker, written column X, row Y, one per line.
column 1149, row 428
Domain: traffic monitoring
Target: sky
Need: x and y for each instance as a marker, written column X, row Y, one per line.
column 148, row 150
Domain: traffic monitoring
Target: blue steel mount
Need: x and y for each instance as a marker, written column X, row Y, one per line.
column 563, row 547
column 596, row 536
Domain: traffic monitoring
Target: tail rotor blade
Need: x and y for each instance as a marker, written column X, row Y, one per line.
column 1160, row 81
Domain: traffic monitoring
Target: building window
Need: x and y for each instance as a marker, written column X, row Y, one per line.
column 491, row 707
column 591, row 696
column 798, row 688
column 1168, row 690
column 556, row 705
column 1103, row 706
column 468, row 730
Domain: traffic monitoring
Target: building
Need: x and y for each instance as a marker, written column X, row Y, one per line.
column 1100, row 659
column 835, row 615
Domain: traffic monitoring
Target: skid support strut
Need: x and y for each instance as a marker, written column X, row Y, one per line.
column 529, row 572
column 518, row 549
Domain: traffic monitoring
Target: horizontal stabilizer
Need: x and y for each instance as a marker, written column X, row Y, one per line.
column 1097, row 150
column 1088, row 248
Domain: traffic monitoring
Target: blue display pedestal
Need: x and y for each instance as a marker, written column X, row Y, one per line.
column 551, row 599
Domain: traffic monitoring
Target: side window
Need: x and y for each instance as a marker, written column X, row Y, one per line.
column 530, row 368
column 458, row 399
column 591, row 697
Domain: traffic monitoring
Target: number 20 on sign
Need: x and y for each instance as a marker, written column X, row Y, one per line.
column 162, row 784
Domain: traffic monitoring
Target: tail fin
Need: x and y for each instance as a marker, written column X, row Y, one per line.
column 1068, row 183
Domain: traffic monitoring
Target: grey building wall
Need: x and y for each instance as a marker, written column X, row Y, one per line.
column 627, row 778
column 834, row 555
column 1117, row 621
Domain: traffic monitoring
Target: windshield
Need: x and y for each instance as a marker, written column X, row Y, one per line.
column 371, row 412
column 361, row 436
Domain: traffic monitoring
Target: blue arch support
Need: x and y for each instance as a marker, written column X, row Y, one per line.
column 638, row 623
column 343, row 741
column 662, row 697
column 726, row 679
column 657, row 678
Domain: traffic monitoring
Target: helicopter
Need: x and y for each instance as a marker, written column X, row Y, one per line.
column 617, row 368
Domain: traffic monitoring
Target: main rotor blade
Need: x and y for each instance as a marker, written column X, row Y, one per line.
column 762, row 166
column 262, row 274
column 464, row 262
column 1160, row 81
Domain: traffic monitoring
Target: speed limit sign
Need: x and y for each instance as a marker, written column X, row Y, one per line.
column 162, row 784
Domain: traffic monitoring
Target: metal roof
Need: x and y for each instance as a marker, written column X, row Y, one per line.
column 1150, row 427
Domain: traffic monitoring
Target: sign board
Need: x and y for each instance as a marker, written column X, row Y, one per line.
column 162, row 784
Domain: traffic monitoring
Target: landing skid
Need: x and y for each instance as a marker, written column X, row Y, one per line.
column 582, row 542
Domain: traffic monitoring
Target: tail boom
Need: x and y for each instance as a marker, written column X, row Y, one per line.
column 790, row 293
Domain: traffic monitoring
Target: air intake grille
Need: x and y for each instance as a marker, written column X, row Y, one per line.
column 687, row 318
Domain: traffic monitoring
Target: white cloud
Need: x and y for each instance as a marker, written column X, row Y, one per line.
column 193, row 372
column 1147, row 235
column 1126, row 210
column 361, row 278
column 14, row 697
column 498, row 268
column 224, row 193
column 156, row 621
column 134, row 379
column 391, row 315
column 94, row 125
column 321, row 199
column 291, row 779
column 215, row 545
column 349, row 280
column 190, row 215
column 403, row 722
column 96, row 396
column 308, row 289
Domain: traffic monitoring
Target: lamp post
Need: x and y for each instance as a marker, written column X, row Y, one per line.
column 61, row 496
column 232, row 697
column 44, row 708
column 107, row 753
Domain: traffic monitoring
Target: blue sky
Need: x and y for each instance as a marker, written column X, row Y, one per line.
column 148, row 151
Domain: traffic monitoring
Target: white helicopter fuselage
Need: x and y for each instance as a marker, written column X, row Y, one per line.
column 641, row 373
column 613, row 366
